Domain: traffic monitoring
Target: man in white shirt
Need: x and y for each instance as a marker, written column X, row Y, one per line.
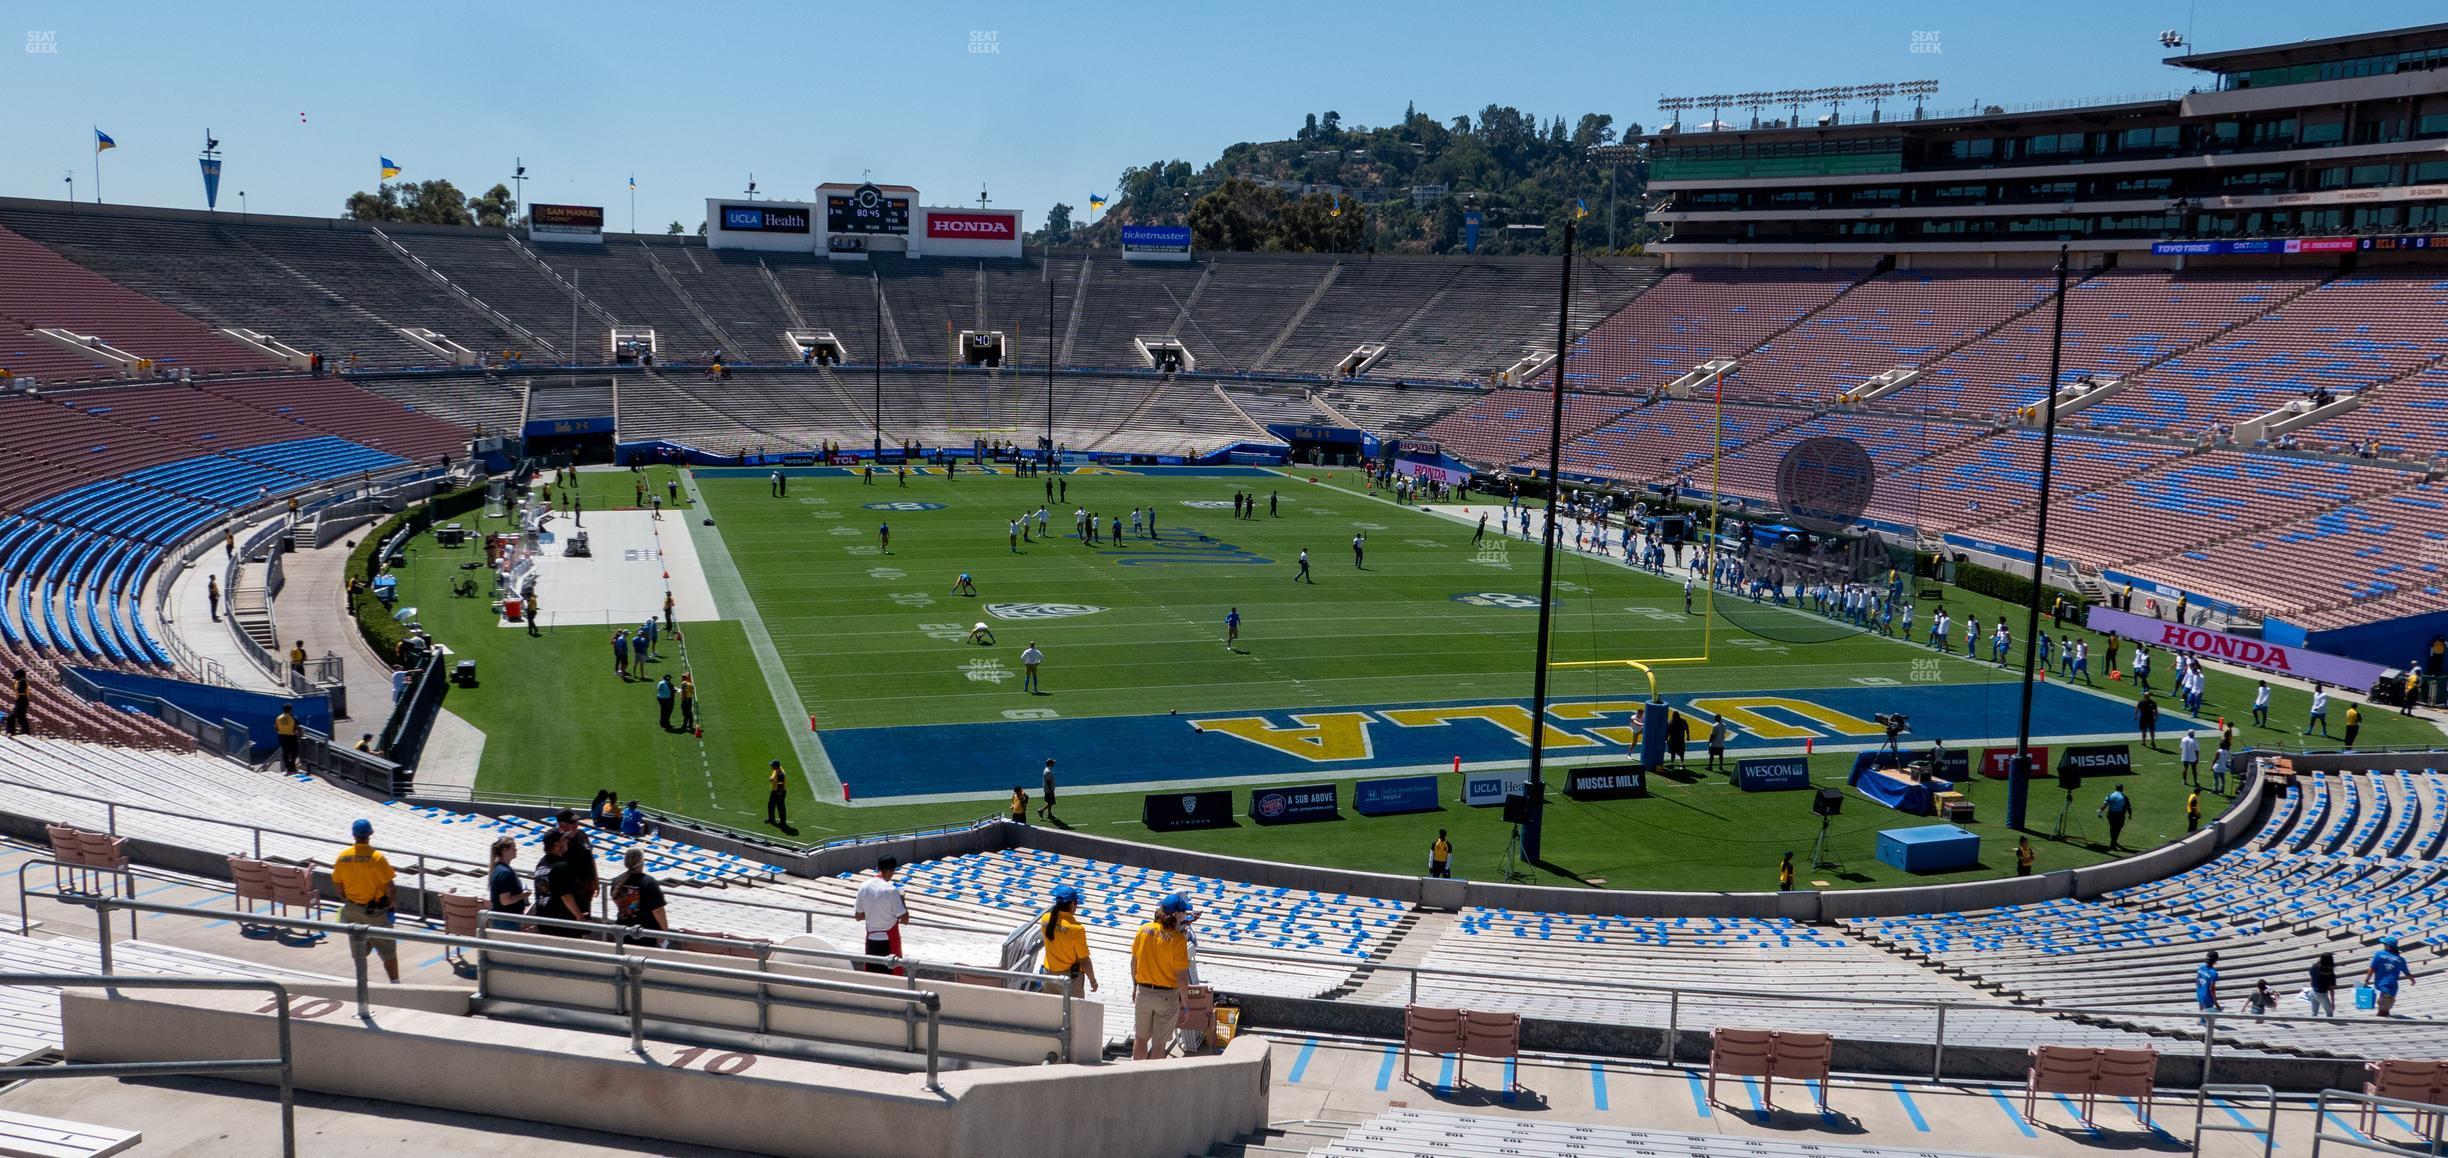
column 1030, row 657
column 881, row 910
column 2261, row 704
column 2188, row 752
column 2320, row 710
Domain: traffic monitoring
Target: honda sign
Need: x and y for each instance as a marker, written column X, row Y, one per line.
column 973, row 226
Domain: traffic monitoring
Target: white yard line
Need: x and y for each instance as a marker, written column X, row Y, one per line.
column 730, row 595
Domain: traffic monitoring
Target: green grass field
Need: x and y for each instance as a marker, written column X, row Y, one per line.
column 868, row 639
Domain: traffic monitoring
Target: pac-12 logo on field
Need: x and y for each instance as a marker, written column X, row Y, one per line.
column 1499, row 599
column 1039, row 610
column 905, row 506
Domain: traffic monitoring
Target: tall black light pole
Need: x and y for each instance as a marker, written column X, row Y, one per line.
column 1547, row 559
column 879, row 366
column 1049, row 442
column 2018, row 777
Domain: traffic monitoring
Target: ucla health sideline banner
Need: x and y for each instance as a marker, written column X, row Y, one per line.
column 1489, row 789
column 2320, row 667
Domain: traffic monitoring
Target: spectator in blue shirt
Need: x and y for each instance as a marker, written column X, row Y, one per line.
column 633, row 821
column 2205, row 983
column 2388, row 967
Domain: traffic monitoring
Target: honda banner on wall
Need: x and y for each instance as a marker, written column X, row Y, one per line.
column 2244, row 650
column 967, row 232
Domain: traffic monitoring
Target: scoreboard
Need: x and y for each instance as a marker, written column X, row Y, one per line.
column 866, row 209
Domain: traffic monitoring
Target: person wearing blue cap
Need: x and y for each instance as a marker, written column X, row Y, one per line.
column 1160, row 967
column 2388, row 968
column 1066, row 940
column 363, row 877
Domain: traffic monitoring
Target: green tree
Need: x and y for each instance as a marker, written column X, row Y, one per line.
column 1058, row 224
column 494, row 209
column 673, row 229
column 381, row 205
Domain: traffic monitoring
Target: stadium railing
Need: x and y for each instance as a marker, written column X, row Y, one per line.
column 2430, row 1141
column 283, row 1064
column 693, row 828
column 256, row 832
column 922, row 1004
column 220, row 738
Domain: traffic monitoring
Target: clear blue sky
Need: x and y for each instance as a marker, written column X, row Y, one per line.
column 693, row 98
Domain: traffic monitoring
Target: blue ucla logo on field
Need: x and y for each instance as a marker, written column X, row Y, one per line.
column 905, row 506
column 1504, row 600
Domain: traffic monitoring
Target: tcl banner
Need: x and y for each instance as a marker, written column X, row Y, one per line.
column 2319, row 667
column 1998, row 763
column 973, row 226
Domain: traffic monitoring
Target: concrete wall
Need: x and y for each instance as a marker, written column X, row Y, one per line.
column 774, row 1105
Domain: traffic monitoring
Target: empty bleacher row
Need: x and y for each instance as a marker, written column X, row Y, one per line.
column 1401, row 1132
column 1551, row 963
column 215, row 806
column 2341, row 861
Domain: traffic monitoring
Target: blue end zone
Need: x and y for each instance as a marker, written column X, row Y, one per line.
column 986, row 759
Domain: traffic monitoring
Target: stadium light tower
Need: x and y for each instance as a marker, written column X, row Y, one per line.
column 518, row 179
column 1917, row 90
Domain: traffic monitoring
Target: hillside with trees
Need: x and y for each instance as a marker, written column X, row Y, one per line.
column 1400, row 188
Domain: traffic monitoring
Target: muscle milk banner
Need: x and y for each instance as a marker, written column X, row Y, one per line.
column 2336, row 671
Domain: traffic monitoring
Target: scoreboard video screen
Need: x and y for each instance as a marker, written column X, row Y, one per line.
column 866, row 210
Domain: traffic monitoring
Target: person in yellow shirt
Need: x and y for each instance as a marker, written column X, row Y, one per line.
column 1160, row 966
column 363, row 877
column 297, row 658
column 1440, row 856
column 1785, row 874
column 2023, row 856
column 2193, row 810
column 285, row 726
column 1066, row 941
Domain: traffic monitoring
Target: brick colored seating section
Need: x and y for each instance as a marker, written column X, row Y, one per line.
column 43, row 289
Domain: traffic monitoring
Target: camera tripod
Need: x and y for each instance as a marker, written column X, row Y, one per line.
column 2067, row 822
column 1819, row 857
column 1511, row 871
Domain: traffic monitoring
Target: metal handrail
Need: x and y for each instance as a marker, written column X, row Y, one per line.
column 633, row 969
column 283, row 1063
column 905, row 967
column 111, row 818
column 2268, row 1130
column 2371, row 1103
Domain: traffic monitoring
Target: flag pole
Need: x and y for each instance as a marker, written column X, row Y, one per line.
column 97, row 148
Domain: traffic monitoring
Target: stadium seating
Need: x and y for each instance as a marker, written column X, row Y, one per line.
column 46, row 290
column 1901, row 319
column 2346, row 335
column 1398, row 1133
column 2341, row 860
column 1692, row 316
column 2116, row 323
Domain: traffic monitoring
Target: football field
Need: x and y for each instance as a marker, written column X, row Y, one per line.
column 1404, row 656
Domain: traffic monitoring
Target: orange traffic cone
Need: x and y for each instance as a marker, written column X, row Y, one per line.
column 700, row 730
column 845, row 792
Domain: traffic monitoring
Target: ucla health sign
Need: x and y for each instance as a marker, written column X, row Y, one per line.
column 765, row 219
column 1489, row 789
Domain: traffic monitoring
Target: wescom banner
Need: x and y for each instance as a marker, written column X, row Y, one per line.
column 2337, row 671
